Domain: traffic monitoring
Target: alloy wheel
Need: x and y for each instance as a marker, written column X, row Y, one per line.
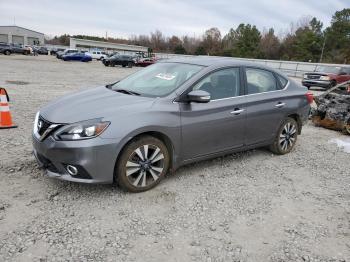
column 145, row 165
column 288, row 136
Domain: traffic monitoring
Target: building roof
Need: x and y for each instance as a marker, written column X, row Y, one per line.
column 21, row 28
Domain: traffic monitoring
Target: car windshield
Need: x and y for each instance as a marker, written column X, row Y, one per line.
column 328, row 69
column 159, row 79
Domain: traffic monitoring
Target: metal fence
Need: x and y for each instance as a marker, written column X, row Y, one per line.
column 291, row 68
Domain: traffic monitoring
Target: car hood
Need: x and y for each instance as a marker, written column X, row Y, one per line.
column 321, row 73
column 99, row 102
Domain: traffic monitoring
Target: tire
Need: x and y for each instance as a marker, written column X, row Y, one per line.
column 286, row 137
column 142, row 164
column 7, row 52
column 333, row 83
column 130, row 64
column 347, row 128
column 123, row 65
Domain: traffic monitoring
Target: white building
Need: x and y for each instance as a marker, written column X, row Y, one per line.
column 106, row 46
column 20, row 35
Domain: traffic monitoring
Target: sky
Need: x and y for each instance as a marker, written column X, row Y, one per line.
column 123, row 18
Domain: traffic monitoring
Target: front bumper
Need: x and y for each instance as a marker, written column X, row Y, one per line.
column 95, row 158
column 319, row 83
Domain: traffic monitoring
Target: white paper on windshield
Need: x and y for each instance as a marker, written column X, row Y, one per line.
column 167, row 77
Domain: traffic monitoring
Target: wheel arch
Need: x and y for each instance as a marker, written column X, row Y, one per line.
column 297, row 118
column 159, row 135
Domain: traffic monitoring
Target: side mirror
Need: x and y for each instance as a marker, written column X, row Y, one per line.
column 198, row 96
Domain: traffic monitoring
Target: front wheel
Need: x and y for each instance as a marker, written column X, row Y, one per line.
column 130, row 64
column 142, row 164
column 7, row 52
column 332, row 84
column 286, row 137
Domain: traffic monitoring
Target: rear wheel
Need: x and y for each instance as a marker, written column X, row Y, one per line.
column 286, row 137
column 142, row 164
column 7, row 52
column 130, row 64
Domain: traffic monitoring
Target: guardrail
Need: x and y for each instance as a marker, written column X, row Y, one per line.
column 291, row 68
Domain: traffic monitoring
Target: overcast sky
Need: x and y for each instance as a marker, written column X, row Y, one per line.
column 123, row 18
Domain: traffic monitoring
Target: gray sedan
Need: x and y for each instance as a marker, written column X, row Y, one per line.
column 169, row 114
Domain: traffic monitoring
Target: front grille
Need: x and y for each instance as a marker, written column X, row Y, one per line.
column 313, row 76
column 43, row 125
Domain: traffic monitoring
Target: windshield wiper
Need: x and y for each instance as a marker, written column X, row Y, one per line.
column 128, row 92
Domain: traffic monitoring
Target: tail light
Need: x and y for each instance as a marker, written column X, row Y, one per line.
column 309, row 97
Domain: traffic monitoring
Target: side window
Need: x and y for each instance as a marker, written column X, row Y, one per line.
column 282, row 80
column 221, row 84
column 94, row 53
column 259, row 81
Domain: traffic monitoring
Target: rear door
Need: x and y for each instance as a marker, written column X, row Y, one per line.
column 266, row 105
column 218, row 125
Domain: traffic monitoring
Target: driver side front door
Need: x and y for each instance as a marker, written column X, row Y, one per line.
column 217, row 126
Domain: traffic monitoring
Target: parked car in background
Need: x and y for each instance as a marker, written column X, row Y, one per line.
column 59, row 55
column 167, row 115
column 42, row 50
column 326, row 76
column 5, row 49
column 145, row 61
column 30, row 49
column 54, row 51
column 123, row 60
column 82, row 57
column 20, row 49
column 99, row 55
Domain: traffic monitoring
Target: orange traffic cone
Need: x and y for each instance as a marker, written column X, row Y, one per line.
column 5, row 115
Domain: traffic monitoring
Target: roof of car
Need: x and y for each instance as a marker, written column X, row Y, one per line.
column 210, row 61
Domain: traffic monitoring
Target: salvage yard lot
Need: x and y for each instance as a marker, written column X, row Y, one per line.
column 250, row 206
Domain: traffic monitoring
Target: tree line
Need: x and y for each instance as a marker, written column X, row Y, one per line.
column 306, row 41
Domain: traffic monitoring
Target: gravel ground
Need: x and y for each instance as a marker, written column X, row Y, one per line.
column 250, row 206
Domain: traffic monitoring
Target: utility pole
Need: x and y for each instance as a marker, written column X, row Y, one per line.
column 324, row 43
column 106, row 37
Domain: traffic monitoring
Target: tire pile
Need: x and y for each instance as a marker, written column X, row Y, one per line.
column 333, row 110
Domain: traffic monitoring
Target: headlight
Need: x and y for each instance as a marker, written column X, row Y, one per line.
column 305, row 76
column 82, row 130
column 325, row 78
column 35, row 128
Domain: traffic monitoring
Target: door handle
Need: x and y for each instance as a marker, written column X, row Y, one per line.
column 237, row 111
column 279, row 105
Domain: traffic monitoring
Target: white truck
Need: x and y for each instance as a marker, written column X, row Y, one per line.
column 99, row 55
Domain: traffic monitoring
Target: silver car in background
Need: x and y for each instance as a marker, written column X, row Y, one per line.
column 169, row 114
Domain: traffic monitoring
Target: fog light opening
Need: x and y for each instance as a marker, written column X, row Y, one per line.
column 72, row 170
